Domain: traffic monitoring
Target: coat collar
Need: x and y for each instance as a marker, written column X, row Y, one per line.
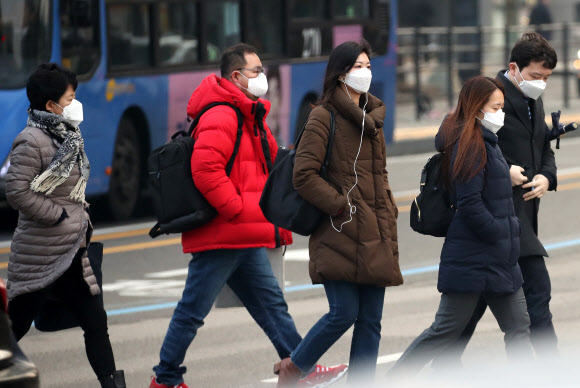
column 253, row 110
column 516, row 99
column 375, row 110
column 488, row 135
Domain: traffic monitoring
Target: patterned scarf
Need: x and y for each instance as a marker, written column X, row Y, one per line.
column 71, row 151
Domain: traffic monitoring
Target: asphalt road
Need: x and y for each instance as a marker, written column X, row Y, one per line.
column 144, row 279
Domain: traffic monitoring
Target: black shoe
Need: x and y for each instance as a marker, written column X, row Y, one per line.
column 116, row 380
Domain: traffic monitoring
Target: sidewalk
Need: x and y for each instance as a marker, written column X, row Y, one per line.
column 417, row 136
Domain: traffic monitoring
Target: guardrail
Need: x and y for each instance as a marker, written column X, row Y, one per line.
column 435, row 61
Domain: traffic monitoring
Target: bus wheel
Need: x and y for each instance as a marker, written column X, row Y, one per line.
column 125, row 184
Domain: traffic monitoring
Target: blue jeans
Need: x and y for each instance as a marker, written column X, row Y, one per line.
column 249, row 274
column 349, row 304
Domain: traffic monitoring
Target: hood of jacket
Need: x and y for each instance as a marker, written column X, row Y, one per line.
column 375, row 110
column 214, row 89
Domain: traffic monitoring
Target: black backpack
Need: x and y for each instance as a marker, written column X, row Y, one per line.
column 281, row 203
column 177, row 203
column 432, row 210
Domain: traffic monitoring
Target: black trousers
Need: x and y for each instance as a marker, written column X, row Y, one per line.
column 537, row 290
column 72, row 289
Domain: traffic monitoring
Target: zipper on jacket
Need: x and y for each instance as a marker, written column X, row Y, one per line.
column 277, row 234
column 418, row 210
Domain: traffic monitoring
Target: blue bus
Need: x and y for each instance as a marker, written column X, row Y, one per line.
column 138, row 61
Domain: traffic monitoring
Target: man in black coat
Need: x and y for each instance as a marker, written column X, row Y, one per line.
column 526, row 148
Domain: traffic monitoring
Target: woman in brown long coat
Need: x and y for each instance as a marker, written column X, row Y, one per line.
column 354, row 252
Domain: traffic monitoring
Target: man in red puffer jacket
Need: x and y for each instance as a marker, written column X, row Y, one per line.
column 231, row 249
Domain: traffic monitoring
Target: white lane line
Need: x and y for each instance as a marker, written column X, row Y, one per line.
column 297, row 255
column 167, row 274
column 381, row 360
column 389, row 358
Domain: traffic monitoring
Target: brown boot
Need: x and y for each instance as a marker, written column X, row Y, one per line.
column 288, row 373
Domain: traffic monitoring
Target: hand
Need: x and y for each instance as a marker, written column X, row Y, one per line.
column 516, row 175
column 539, row 186
column 558, row 128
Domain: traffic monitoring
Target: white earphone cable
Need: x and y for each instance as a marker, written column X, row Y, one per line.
column 352, row 208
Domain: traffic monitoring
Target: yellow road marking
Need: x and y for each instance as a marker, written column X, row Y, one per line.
column 404, row 209
column 3, row 265
column 112, row 236
column 141, row 246
column 569, row 186
column 175, row 241
column 565, row 177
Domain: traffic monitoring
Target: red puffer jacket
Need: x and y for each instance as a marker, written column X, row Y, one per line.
column 240, row 222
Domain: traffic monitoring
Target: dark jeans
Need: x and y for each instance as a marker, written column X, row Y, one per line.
column 249, row 275
column 455, row 311
column 349, row 304
column 72, row 289
column 537, row 290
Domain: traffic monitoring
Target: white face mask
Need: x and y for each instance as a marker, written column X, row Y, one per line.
column 256, row 86
column 73, row 112
column 493, row 121
column 359, row 80
column 532, row 89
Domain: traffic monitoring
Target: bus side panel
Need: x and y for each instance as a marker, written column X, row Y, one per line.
column 390, row 64
column 307, row 78
column 180, row 88
column 105, row 101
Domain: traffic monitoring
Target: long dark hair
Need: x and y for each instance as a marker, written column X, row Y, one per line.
column 463, row 127
column 341, row 60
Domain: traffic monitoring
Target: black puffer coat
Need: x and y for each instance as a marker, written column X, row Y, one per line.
column 482, row 246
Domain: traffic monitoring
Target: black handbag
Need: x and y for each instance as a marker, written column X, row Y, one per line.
column 432, row 210
column 281, row 203
column 54, row 314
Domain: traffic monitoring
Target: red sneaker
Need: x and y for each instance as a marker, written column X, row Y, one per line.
column 155, row 384
column 323, row 376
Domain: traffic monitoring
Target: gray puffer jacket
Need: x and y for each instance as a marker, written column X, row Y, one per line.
column 42, row 250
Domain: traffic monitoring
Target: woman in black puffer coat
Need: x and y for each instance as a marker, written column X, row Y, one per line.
column 480, row 254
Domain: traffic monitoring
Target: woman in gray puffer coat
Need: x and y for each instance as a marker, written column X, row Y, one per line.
column 46, row 183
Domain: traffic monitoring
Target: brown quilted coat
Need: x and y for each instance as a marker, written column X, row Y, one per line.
column 366, row 251
column 42, row 251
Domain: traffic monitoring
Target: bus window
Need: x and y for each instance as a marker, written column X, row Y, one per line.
column 265, row 29
column 302, row 9
column 79, row 34
column 129, row 38
column 24, row 39
column 223, row 27
column 351, row 9
column 178, row 40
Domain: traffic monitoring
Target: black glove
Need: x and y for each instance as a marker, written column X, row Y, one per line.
column 558, row 129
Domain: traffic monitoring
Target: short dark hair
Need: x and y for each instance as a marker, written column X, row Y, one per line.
column 233, row 58
column 341, row 60
column 49, row 82
column 533, row 47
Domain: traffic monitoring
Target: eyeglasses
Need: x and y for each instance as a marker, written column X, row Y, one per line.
column 257, row 70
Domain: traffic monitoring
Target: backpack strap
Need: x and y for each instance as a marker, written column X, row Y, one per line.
column 330, row 142
column 238, row 135
column 326, row 162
